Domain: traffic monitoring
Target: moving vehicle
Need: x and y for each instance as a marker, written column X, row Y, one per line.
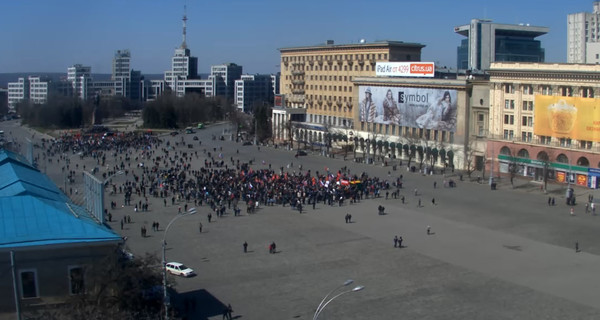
column 189, row 130
column 301, row 153
column 200, row 125
column 174, row 133
column 195, row 138
column 179, row 269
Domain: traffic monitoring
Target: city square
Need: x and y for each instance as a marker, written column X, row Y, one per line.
column 497, row 254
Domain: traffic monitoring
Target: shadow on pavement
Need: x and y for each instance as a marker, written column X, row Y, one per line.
column 199, row 304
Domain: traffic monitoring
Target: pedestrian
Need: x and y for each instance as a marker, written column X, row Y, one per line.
column 553, row 201
column 109, row 217
column 349, row 218
column 121, row 224
column 419, row 203
column 434, row 184
column 200, row 227
column 433, row 201
column 245, row 245
column 400, row 242
column 577, row 246
column 428, row 230
column 402, row 198
column 572, row 212
column 142, row 231
column 209, row 217
column 550, row 201
column 395, row 241
column 587, row 209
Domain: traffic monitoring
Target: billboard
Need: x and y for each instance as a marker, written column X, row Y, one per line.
column 279, row 101
column 433, row 109
column 567, row 117
column 405, row 69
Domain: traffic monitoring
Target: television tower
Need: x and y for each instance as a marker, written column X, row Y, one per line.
column 183, row 44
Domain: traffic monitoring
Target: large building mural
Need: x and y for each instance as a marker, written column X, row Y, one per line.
column 433, row 109
column 567, row 117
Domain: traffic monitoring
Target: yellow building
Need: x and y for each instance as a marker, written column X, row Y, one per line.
column 545, row 121
column 317, row 89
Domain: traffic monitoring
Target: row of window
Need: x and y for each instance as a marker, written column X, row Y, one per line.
column 526, row 121
column 328, row 108
column 337, row 57
column 328, row 98
column 565, row 91
column 390, row 129
column 30, row 286
column 331, row 120
column 357, row 67
column 509, row 104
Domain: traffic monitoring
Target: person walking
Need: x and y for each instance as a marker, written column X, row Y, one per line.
column 428, row 230
column 200, row 227
column 400, row 242
column 395, row 241
column 245, row 245
column 577, row 246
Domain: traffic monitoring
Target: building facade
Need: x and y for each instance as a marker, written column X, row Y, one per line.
column 317, row 82
column 33, row 88
column 121, row 64
column 583, row 36
column 543, row 121
column 488, row 42
column 80, row 78
column 251, row 89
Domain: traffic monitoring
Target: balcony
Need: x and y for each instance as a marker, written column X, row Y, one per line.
column 298, row 81
column 298, row 91
column 297, row 72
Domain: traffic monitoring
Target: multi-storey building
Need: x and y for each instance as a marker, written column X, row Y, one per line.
column 316, row 82
column 80, row 78
column 183, row 65
column 488, row 42
column 121, row 64
column 31, row 88
column 583, row 36
column 544, row 121
column 251, row 89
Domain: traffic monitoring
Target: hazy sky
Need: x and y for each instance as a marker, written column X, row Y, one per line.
column 50, row 35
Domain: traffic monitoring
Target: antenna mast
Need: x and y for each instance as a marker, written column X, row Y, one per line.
column 183, row 44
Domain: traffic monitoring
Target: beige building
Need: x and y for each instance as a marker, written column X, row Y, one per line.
column 316, row 84
column 543, row 121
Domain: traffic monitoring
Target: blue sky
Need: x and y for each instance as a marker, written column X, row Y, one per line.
column 50, row 35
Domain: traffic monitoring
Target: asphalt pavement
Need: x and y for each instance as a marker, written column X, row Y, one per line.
column 491, row 254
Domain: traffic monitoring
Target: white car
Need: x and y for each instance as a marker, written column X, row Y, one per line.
column 179, row 269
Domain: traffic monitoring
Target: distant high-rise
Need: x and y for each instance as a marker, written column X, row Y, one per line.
column 121, row 64
column 80, row 78
column 32, row 88
column 583, row 36
column 183, row 65
column 252, row 89
column 489, row 42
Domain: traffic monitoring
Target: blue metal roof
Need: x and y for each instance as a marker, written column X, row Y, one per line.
column 33, row 210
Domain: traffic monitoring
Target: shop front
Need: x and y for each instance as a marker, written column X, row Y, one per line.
column 559, row 172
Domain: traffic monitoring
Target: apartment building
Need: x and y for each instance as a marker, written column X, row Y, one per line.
column 583, row 36
column 544, row 120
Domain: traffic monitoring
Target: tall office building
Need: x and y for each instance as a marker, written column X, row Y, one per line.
column 32, row 88
column 251, row 89
column 183, row 65
column 583, row 36
column 80, row 78
column 489, row 42
column 225, row 74
column 121, row 64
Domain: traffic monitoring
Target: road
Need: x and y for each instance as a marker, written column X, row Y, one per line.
column 502, row 254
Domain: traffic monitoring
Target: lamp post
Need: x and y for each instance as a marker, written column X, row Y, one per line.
column 328, row 300
column 164, row 261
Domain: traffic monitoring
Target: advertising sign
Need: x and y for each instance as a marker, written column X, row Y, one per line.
column 279, row 101
column 567, row 117
column 405, row 69
column 409, row 107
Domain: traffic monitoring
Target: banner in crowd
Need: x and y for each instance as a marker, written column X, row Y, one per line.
column 433, row 109
column 567, row 117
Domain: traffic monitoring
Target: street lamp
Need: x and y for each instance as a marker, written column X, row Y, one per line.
column 164, row 261
column 328, row 300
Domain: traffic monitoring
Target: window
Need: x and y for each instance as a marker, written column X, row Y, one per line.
column 545, row 139
column 509, row 119
column 29, row 287
column 565, row 142
column 566, row 91
column 480, row 117
column 526, row 136
column 547, row 90
column 527, row 89
column 508, row 88
column 585, row 144
column 587, row 92
column 527, row 105
column 509, row 134
column 509, row 104
column 76, row 280
column 527, row 121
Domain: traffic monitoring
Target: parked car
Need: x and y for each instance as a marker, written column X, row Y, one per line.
column 179, row 269
column 174, row 133
column 301, row 153
column 195, row 138
column 247, row 143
